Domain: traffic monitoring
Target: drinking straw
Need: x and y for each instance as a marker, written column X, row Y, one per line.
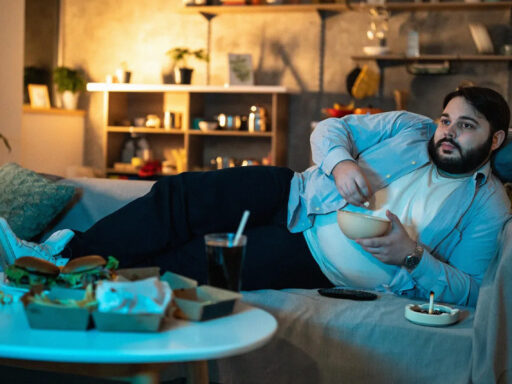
column 431, row 304
column 241, row 227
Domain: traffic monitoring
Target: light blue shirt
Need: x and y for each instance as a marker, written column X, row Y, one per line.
column 461, row 239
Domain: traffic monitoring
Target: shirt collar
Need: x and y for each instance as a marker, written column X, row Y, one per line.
column 480, row 174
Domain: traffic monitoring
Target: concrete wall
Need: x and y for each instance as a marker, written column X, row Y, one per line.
column 41, row 29
column 100, row 34
column 11, row 76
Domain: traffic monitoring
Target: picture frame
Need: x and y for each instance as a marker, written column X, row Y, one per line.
column 240, row 69
column 39, row 96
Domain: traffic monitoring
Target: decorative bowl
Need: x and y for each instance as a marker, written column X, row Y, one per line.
column 208, row 125
column 357, row 225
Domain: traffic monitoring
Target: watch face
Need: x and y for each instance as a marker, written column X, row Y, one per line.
column 411, row 261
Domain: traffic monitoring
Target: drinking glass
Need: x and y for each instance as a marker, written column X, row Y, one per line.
column 225, row 260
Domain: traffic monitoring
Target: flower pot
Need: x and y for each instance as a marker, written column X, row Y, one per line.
column 70, row 99
column 183, row 75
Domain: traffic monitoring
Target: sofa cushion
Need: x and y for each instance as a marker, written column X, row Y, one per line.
column 331, row 341
column 29, row 201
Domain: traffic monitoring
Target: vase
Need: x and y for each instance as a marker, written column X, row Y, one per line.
column 70, row 99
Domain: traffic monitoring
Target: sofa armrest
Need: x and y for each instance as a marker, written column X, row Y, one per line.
column 492, row 339
column 96, row 198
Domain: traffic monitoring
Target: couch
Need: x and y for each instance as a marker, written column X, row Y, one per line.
column 324, row 340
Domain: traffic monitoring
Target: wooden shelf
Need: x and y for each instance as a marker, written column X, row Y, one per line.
column 161, row 131
column 426, row 58
column 436, row 6
column 229, row 133
column 129, row 87
column 53, row 111
column 349, row 6
column 220, row 9
column 113, row 171
column 194, row 132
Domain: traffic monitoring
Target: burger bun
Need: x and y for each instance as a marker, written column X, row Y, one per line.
column 37, row 265
column 83, row 264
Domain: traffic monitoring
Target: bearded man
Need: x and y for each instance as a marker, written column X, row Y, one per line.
column 433, row 181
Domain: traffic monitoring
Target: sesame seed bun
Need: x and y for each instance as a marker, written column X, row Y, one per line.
column 37, row 265
column 83, row 264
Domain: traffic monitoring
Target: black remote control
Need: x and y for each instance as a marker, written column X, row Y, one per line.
column 347, row 293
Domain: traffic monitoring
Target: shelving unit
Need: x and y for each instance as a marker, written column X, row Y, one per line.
column 430, row 58
column 125, row 102
column 327, row 10
column 343, row 6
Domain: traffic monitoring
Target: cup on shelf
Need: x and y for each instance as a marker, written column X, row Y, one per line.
column 152, row 121
column 139, row 121
column 506, row 49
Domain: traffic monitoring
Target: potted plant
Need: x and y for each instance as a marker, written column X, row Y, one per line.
column 69, row 84
column 182, row 73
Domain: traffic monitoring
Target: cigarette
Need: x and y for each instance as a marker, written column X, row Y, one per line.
column 431, row 304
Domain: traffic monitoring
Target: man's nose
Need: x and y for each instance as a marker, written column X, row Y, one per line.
column 451, row 130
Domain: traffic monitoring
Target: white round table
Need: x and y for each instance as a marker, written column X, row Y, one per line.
column 138, row 355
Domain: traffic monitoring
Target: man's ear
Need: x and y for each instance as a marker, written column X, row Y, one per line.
column 497, row 139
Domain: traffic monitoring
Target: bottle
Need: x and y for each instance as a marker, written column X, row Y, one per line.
column 257, row 119
column 413, row 44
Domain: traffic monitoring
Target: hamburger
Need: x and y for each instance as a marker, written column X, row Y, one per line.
column 80, row 272
column 27, row 271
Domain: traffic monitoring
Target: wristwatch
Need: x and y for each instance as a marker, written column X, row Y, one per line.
column 411, row 261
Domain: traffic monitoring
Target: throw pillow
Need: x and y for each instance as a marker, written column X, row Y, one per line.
column 28, row 201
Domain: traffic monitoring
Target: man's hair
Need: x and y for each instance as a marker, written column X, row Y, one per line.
column 488, row 102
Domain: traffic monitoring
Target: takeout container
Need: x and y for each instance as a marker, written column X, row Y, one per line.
column 190, row 302
column 42, row 316
column 358, row 226
column 131, row 322
column 199, row 303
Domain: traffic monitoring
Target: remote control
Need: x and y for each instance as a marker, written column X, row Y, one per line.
column 346, row 293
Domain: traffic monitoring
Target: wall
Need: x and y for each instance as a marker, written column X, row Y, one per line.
column 52, row 140
column 41, row 28
column 11, row 76
column 100, row 34
column 41, row 41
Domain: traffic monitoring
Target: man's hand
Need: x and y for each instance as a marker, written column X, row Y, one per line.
column 351, row 183
column 393, row 247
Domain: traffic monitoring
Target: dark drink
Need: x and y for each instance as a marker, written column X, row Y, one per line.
column 225, row 260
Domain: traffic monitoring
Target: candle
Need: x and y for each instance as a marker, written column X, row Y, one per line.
column 431, row 304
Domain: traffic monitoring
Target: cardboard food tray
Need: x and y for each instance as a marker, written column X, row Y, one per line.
column 41, row 316
column 199, row 303
column 123, row 322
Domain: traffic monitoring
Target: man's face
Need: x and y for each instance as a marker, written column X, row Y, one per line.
column 463, row 140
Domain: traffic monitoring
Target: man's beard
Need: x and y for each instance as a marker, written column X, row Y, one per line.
column 467, row 162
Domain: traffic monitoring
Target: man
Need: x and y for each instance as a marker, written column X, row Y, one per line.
column 433, row 183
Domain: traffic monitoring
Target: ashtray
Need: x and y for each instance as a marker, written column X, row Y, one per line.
column 441, row 314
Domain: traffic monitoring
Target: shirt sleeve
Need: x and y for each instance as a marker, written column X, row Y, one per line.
column 458, row 279
column 339, row 139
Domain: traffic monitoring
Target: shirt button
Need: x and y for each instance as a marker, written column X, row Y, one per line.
column 413, row 162
column 388, row 176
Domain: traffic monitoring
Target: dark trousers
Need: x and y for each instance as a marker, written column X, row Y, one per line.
column 166, row 228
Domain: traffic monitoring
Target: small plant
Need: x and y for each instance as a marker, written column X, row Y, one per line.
column 6, row 143
column 68, row 79
column 179, row 55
